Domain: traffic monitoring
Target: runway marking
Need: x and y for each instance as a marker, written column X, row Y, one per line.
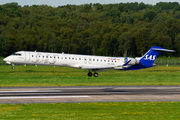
column 42, row 97
column 31, row 91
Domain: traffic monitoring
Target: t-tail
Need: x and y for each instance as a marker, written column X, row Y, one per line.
column 148, row 59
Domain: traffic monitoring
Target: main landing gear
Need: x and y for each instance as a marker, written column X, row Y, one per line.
column 90, row 74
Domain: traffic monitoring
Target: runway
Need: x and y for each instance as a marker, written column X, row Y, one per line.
column 69, row 94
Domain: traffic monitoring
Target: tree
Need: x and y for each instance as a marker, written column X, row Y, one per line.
column 4, row 44
column 125, row 43
column 141, row 6
column 150, row 15
column 90, row 28
column 141, row 38
column 105, row 48
column 177, row 44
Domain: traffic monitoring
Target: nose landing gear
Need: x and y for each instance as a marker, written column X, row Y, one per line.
column 12, row 66
column 90, row 74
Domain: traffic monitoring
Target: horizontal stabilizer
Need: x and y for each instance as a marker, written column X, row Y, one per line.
column 162, row 49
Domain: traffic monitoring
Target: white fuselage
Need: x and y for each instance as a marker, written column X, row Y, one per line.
column 70, row 60
column 88, row 62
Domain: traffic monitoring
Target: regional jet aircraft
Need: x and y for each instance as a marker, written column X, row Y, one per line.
column 87, row 62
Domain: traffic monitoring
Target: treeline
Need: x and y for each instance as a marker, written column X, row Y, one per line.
column 124, row 29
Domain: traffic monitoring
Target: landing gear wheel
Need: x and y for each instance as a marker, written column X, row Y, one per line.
column 95, row 74
column 12, row 66
column 89, row 74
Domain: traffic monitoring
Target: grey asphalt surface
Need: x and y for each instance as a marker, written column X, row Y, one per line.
column 69, row 94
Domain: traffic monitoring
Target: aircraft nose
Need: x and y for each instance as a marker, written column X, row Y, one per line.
column 7, row 59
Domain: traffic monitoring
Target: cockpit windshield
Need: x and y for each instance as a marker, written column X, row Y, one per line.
column 17, row 54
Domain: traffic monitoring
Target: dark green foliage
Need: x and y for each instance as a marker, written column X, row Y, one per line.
column 124, row 29
column 177, row 8
column 142, row 6
column 166, row 6
column 150, row 15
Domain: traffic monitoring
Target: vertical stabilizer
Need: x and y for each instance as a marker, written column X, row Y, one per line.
column 148, row 59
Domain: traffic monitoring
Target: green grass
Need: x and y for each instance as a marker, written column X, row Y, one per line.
column 64, row 76
column 92, row 111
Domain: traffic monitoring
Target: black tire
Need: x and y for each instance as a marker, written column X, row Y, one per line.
column 95, row 74
column 12, row 67
column 89, row 74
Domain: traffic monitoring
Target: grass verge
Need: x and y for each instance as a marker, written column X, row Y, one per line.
column 93, row 111
column 64, row 76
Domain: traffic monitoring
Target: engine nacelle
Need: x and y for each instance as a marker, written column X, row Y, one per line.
column 133, row 61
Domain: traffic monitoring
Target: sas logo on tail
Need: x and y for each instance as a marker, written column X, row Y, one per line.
column 150, row 57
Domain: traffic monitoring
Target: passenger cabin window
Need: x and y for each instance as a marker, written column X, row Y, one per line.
column 32, row 55
column 65, row 57
column 79, row 58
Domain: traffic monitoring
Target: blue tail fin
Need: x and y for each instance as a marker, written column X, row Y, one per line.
column 148, row 59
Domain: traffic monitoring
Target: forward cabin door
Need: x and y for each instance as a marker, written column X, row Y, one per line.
column 27, row 56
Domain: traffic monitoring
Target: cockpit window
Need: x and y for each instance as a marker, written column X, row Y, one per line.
column 17, row 54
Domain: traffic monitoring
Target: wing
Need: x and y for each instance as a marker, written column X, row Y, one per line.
column 97, row 67
column 104, row 68
column 101, row 68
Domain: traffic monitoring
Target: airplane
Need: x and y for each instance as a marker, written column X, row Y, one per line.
column 87, row 62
